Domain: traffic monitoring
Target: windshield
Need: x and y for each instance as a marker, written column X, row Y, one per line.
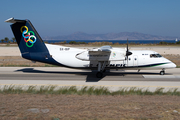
column 155, row 56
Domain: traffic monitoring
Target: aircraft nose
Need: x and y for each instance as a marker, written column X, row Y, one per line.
column 172, row 65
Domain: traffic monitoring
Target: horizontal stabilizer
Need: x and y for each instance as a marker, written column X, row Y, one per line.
column 12, row 20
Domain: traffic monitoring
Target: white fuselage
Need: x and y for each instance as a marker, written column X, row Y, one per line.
column 138, row 60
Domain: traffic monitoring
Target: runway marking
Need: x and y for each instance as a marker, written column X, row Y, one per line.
column 68, row 85
column 161, row 76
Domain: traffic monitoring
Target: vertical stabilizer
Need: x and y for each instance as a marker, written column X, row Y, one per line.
column 27, row 37
column 30, row 43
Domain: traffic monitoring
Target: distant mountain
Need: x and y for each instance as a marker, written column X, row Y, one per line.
column 111, row 36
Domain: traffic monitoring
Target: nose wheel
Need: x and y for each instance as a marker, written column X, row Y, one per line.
column 162, row 72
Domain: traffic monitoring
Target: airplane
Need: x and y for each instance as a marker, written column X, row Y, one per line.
column 101, row 59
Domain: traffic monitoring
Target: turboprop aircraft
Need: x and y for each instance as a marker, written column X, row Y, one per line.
column 101, row 59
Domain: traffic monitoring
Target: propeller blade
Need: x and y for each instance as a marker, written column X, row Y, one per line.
column 127, row 46
column 127, row 50
column 127, row 60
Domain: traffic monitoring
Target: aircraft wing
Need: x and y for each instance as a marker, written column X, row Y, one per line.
column 104, row 53
column 100, row 51
column 105, row 48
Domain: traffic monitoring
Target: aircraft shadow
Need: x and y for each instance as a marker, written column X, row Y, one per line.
column 32, row 70
column 91, row 76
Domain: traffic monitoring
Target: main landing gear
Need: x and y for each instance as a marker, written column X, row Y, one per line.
column 162, row 72
column 99, row 74
column 101, row 69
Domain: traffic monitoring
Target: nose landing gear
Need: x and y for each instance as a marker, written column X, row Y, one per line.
column 162, row 72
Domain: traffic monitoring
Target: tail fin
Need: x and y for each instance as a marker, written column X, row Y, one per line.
column 26, row 36
column 30, row 43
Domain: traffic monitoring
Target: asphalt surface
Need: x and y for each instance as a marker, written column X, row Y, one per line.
column 60, row 76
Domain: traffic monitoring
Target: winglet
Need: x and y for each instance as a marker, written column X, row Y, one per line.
column 12, row 20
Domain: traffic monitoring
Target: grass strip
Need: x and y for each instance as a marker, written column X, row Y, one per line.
column 85, row 90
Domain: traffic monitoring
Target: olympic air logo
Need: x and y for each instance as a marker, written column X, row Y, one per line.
column 114, row 54
column 28, row 36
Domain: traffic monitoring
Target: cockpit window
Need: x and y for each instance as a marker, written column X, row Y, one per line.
column 155, row 56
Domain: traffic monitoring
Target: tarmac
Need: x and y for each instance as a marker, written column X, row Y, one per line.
column 60, row 76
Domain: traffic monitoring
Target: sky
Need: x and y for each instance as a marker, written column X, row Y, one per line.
column 63, row 17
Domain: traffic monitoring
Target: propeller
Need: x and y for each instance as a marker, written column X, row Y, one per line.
column 127, row 52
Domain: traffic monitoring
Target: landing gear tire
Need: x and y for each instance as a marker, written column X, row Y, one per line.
column 99, row 74
column 162, row 72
